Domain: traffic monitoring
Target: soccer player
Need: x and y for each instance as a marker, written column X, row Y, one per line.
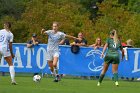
column 6, row 39
column 112, row 56
column 54, row 38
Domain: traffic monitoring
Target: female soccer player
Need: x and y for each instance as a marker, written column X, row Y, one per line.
column 6, row 39
column 54, row 38
column 112, row 56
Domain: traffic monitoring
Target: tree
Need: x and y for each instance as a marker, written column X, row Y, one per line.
column 12, row 8
column 40, row 14
column 134, row 6
column 117, row 17
column 30, row 16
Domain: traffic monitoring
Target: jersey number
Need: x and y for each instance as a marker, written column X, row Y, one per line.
column 2, row 38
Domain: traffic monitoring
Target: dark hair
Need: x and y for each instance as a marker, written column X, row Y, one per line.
column 75, row 49
column 8, row 24
column 34, row 35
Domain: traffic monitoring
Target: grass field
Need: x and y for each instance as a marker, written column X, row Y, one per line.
column 26, row 85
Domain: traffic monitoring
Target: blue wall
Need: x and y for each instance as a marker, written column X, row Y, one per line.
column 87, row 62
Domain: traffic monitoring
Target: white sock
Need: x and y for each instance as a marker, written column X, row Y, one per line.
column 52, row 72
column 55, row 71
column 12, row 73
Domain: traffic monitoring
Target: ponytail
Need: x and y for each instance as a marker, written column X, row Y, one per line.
column 116, row 40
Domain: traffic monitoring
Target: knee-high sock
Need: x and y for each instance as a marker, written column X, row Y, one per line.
column 101, row 78
column 55, row 71
column 52, row 70
column 12, row 73
column 115, row 77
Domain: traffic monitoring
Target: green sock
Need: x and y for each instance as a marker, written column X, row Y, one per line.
column 101, row 78
column 115, row 77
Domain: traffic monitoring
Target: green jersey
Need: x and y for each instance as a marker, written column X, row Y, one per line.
column 112, row 55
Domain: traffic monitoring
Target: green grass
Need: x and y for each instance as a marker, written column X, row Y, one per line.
column 26, row 85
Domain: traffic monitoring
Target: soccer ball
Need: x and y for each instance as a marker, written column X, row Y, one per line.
column 37, row 78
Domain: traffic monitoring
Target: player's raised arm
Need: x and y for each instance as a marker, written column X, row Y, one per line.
column 43, row 31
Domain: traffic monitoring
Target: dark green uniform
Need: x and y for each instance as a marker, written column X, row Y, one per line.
column 112, row 55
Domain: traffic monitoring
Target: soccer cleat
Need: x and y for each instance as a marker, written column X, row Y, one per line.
column 56, row 80
column 58, row 77
column 14, row 83
column 98, row 84
column 116, row 83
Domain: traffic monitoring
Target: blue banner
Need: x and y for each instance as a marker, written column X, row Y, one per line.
column 86, row 63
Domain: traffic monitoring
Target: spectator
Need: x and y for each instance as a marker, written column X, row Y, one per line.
column 129, row 43
column 81, row 41
column 98, row 43
column 34, row 41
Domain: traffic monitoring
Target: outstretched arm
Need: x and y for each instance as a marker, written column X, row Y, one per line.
column 62, row 42
column 69, row 36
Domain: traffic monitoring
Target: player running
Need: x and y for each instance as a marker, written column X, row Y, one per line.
column 54, row 38
column 112, row 56
column 6, row 39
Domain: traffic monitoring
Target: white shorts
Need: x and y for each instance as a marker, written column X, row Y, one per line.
column 5, row 52
column 51, row 54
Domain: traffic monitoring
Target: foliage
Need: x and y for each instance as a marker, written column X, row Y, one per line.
column 12, row 7
column 117, row 17
column 30, row 16
column 134, row 5
column 40, row 14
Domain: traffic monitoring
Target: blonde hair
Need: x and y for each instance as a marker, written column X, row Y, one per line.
column 129, row 42
column 57, row 23
column 96, row 42
column 114, row 33
column 80, row 33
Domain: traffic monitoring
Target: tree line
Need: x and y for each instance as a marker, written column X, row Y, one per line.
column 95, row 18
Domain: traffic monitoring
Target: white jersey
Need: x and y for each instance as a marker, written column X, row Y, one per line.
column 5, row 38
column 54, row 39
